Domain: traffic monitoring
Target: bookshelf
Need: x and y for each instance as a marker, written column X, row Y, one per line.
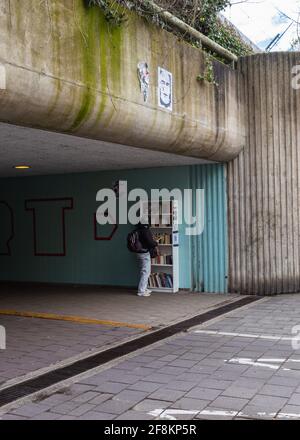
column 164, row 268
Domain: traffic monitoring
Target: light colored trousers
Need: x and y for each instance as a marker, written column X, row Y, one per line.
column 144, row 261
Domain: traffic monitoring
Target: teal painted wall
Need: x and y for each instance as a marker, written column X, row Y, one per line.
column 203, row 260
column 209, row 252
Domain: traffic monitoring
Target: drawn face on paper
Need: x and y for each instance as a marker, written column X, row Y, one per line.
column 144, row 78
column 165, row 89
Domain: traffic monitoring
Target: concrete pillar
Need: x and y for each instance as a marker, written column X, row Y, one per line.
column 264, row 181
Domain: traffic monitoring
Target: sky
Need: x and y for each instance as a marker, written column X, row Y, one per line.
column 262, row 20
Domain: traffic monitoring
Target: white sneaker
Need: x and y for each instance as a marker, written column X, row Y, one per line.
column 147, row 293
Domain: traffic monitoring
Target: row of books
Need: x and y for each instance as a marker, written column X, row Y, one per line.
column 157, row 280
column 163, row 259
column 163, row 238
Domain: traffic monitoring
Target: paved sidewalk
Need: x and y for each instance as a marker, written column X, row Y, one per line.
column 34, row 344
column 254, row 372
column 109, row 303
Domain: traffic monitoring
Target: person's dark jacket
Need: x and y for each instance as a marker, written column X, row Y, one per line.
column 146, row 237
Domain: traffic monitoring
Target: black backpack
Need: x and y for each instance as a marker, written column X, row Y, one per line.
column 133, row 242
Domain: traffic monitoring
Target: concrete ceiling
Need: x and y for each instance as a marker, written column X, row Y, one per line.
column 54, row 153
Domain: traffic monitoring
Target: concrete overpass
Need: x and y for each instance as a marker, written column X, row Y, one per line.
column 66, row 70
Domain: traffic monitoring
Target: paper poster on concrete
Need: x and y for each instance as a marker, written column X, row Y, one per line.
column 165, row 89
column 144, row 78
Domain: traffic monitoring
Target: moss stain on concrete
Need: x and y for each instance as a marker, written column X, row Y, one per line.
column 89, row 19
column 101, row 34
column 53, row 17
column 101, row 58
column 110, row 61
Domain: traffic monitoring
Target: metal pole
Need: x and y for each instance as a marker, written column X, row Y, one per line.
column 174, row 21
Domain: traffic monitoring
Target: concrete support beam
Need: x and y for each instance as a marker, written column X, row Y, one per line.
column 69, row 71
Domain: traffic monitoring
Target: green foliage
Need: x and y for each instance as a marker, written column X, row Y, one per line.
column 208, row 74
column 295, row 45
column 203, row 15
column 111, row 9
column 226, row 36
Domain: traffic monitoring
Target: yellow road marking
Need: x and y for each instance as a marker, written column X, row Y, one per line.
column 77, row 319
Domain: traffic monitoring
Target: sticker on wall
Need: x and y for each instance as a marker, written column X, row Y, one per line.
column 144, row 78
column 165, row 89
column 175, row 239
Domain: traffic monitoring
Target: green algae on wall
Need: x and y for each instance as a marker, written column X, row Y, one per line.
column 112, row 79
column 89, row 22
column 100, row 44
column 54, row 16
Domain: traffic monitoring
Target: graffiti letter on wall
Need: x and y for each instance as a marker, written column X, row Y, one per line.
column 6, row 228
column 49, row 229
column 107, row 232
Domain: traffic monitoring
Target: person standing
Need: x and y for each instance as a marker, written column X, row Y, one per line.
column 148, row 251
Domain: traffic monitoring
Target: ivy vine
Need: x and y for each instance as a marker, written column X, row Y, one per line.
column 208, row 74
column 111, row 10
column 203, row 15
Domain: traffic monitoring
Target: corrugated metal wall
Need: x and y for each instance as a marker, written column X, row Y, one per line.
column 264, row 181
column 209, row 250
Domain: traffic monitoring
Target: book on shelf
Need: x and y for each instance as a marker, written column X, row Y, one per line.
column 163, row 238
column 162, row 259
column 158, row 280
